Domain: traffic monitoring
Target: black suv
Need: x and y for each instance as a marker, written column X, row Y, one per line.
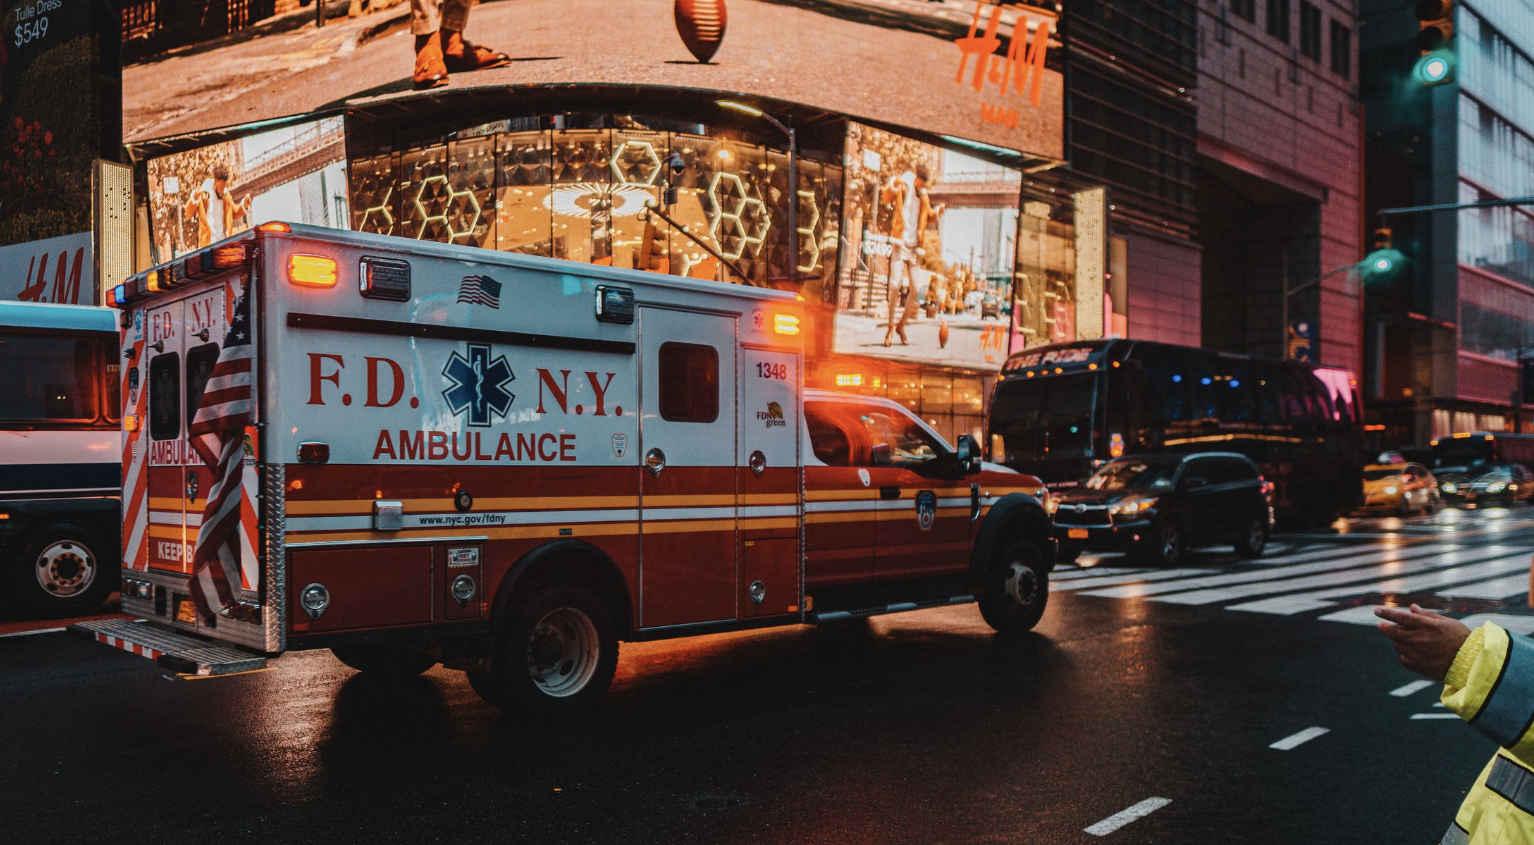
column 1160, row 505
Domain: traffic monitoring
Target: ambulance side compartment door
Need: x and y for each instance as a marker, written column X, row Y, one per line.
column 767, row 468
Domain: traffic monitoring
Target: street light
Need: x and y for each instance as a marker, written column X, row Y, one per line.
column 793, row 181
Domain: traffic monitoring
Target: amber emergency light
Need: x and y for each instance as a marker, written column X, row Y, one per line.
column 312, row 271
column 785, row 324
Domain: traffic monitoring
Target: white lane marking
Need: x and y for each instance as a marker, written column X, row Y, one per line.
column 1250, row 576
column 1390, row 562
column 1296, row 740
column 1361, row 615
column 32, row 633
column 1402, row 692
column 1156, row 575
column 1123, row 817
column 1318, row 600
column 1506, row 587
column 1420, row 716
column 1093, row 572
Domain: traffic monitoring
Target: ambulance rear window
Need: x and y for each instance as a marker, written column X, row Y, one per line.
column 689, row 382
column 199, row 366
column 165, row 397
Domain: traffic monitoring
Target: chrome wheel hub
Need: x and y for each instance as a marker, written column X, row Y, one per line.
column 65, row 568
column 563, row 651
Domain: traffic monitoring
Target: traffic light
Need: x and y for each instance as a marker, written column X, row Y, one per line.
column 1435, row 37
column 1384, row 262
column 1435, row 22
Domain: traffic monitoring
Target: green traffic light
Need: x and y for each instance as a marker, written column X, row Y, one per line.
column 1382, row 264
column 1435, row 68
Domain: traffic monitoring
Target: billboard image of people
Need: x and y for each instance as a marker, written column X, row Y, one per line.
column 988, row 72
column 930, row 243
column 201, row 196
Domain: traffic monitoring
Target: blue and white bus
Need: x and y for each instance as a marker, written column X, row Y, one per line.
column 60, row 456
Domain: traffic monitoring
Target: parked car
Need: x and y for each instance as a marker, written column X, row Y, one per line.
column 1399, row 488
column 1485, row 484
column 1158, row 506
column 990, row 306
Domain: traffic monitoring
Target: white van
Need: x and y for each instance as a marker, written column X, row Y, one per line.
column 60, row 456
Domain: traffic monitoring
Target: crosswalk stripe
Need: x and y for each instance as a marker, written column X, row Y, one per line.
column 1229, row 578
column 1358, row 577
column 1505, row 587
column 1094, row 572
column 1152, row 575
column 1293, row 603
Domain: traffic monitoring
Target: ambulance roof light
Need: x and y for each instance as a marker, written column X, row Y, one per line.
column 274, row 228
column 786, row 324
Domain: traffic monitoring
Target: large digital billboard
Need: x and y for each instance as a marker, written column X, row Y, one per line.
column 979, row 71
column 51, row 130
column 295, row 174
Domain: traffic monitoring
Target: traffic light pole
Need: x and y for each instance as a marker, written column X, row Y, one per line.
column 1455, row 206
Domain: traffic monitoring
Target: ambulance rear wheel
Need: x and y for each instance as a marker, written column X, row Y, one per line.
column 556, row 657
column 67, row 570
column 386, row 660
column 1017, row 589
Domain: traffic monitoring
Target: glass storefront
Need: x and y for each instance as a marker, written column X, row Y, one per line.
column 580, row 194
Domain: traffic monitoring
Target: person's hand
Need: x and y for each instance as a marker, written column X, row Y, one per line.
column 1426, row 641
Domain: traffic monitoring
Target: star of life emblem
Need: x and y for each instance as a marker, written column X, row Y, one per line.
column 479, row 385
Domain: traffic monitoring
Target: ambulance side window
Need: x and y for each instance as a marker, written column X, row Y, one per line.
column 689, row 382
column 829, row 439
column 199, row 366
column 165, row 397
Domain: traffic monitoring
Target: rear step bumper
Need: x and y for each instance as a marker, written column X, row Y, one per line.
column 180, row 653
column 820, row 618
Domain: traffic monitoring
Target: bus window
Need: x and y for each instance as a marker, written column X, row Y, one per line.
column 1202, row 378
column 49, row 378
column 1298, row 400
column 113, row 384
column 1267, row 387
column 1240, row 393
column 1166, row 376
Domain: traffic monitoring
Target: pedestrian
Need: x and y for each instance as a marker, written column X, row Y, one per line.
column 913, row 211
column 440, row 47
column 1488, row 680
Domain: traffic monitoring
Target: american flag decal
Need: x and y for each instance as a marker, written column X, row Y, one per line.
column 480, row 290
column 217, row 434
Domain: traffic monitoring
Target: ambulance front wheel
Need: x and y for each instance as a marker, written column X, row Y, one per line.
column 67, row 569
column 555, row 657
column 1016, row 590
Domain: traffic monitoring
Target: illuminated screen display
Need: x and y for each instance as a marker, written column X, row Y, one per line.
column 983, row 72
column 928, row 254
column 296, row 174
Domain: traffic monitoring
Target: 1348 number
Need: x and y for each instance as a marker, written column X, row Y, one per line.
column 769, row 370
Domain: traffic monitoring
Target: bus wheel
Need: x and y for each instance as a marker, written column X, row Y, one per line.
column 1017, row 589
column 385, row 660
column 68, row 573
column 556, row 657
column 1254, row 539
column 1168, row 544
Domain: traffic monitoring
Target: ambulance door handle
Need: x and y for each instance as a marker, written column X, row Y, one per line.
column 655, row 461
column 889, row 492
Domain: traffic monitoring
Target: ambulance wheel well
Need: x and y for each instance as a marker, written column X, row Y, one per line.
column 565, row 562
column 1016, row 516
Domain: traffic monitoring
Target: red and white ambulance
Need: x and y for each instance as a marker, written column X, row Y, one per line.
column 412, row 453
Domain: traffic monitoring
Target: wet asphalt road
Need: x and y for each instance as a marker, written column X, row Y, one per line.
column 919, row 728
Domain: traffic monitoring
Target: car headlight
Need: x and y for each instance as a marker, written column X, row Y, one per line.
column 1390, row 491
column 1051, row 504
column 1496, row 487
column 1450, row 487
column 1130, row 507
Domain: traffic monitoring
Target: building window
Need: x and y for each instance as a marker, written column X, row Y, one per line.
column 1278, row 19
column 1245, row 9
column 1342, row 50
column 1310, row 31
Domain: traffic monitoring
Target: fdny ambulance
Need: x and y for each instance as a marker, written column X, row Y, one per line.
column 508, row 464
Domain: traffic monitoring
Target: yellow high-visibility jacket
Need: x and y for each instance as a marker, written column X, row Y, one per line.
column 1491, row 686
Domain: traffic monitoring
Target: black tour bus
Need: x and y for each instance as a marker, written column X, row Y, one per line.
column 1059, row 411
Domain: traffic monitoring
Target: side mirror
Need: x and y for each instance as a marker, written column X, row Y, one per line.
column 1195, row 482
column 968, row 453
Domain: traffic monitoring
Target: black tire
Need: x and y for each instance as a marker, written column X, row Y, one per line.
column 556, row 655
column 1254, row 537
column 388, row 660
column 1016, row 589
column 1169, row 544
column 66, row 569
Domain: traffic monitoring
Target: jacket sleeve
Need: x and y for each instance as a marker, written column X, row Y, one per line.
column 1491, row 686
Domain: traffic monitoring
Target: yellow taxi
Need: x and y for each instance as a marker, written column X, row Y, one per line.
column 1399, row 488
